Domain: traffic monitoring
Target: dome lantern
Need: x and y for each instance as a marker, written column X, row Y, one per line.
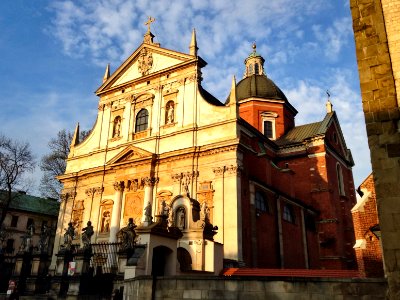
column 254, row 63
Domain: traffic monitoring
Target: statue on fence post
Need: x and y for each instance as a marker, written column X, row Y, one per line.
column 27, row 239
column 87, row 235
column 44, row 239
column 127, row 236
column 69, row 235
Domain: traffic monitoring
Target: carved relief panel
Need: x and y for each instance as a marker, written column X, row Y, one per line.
column 77, row 217
column 145, row 61
column 205, row 196
column 133, row 206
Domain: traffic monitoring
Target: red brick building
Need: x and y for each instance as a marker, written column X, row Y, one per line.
column 296, row 209
column 366, row 225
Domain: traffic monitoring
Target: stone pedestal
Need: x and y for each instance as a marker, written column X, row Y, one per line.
column 122, row 259
column 35, row 266
column 18, row 265
column 82, row 262
column 133, row 271
column 30, row 285
column 63, row 257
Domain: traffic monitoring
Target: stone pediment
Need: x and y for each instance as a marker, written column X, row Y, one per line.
column 146, row 60
column 130, row 154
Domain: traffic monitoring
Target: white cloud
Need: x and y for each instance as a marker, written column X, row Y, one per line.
column 93, row 28
column 333, row 38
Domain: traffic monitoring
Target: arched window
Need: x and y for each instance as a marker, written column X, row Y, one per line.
column 117, row 127
column 261, row 202
column 142, row 120
column 256, row 69
column 340, row 179
column 288, row 213
column 250, row 69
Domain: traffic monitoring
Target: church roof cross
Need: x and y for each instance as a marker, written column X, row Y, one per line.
column 148, row 22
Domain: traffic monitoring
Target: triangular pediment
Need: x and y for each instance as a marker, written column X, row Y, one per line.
column 336, row 139
column 148, row 59
column 130, row 154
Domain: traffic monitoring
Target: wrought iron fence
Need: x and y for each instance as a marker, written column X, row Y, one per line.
column 104, row 257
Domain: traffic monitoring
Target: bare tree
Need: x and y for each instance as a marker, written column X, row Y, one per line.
column 54, row 163
column 16, row 159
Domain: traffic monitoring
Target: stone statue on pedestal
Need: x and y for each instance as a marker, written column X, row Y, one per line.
column 87, row 235
column 127, row 236
column 44, row 239
column 69, row 235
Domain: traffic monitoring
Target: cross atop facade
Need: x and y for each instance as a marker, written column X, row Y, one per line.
column 148, row 22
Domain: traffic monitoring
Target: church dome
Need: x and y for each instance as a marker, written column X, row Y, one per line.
column 258, row 86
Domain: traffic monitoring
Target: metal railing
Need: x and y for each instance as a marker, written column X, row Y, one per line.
column 105, row 257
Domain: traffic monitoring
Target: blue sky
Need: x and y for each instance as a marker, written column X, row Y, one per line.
column 54, row 55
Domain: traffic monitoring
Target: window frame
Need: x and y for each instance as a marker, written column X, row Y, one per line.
column 14, row 219
column 288, row 213
column 339, row 175
column 139, row 125
column 261, row 202
column 269, row 117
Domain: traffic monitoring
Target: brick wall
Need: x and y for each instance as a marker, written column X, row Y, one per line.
column 365, row 216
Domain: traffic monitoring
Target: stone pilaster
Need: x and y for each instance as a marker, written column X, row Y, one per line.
column 116, row 211
column 148, row 183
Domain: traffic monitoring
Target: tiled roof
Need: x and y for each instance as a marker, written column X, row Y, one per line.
column 256, row 272
column 33, row 204
column 300, row 133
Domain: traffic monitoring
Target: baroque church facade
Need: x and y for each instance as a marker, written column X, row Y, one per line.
column 241, row 182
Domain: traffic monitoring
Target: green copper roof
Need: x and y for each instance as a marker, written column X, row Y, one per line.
column 300, row 133
column 259, row 86
column 24, row 202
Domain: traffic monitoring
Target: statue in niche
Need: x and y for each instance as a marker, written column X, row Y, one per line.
column 117, row 127
column 170, row 112
column 69, row 235
column 147, row 213
column 105, row 222
column 181, row 218
column 44, row 239
column 87, row 235
column 127, row 235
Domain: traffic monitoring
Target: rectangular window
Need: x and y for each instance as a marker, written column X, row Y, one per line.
column 288, row 213
column 10, row 246
column 14, row 221
column 268, row 129
column 29, row 223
